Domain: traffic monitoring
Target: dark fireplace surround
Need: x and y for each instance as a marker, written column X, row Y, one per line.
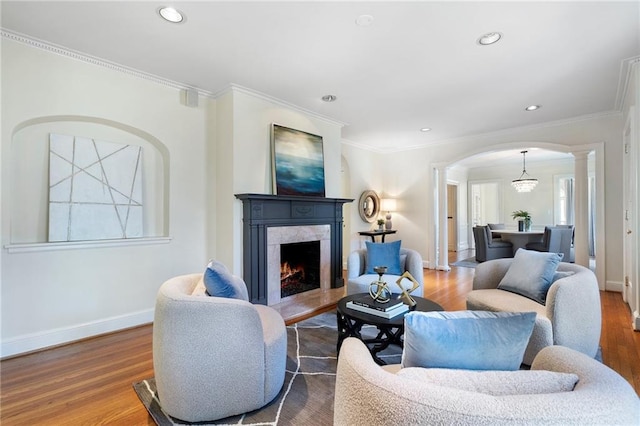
column 261, row 211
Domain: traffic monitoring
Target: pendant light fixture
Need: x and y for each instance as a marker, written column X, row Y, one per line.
column 524, row 183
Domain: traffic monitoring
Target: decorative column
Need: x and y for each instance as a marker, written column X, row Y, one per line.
column 443, row 243
column 581, row 204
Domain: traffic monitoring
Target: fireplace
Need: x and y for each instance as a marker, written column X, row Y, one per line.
column 269, row 221
column 299, row 240
column 299, row 268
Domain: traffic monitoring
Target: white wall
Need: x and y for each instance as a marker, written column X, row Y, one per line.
column 363, row 166
column 631, row 112
column 410, row 174
column 539, row 202
column 52, row 296
column 247, row 154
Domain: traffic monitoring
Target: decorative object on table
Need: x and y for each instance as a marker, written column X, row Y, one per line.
column 380, row 224
column 524, row 220
column 369, row 206
column 388, row 205
column 524, row 183
column 385, row 310
column 95, row 189
column 405, row 291
column 298, row 162
column 378, row 290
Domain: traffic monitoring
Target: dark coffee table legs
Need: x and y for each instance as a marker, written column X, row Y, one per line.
column 387, row 335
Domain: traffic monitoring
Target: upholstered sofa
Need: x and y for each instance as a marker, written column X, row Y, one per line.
column 571, row 316
column 358, row 280
column 367, row 394
column 215, row 357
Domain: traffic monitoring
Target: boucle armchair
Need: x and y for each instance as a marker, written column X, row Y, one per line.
column 368, row 394
column 571, row 316
column 215, row 357
column 358, row 281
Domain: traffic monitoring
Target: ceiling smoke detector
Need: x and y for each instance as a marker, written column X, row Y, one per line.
column 329, row 98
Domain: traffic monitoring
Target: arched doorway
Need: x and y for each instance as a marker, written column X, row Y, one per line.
column 439, row 244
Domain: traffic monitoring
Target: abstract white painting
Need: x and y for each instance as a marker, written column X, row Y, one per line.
column 95, row 189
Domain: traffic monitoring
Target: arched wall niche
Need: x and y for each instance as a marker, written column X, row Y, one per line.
column 29, row 172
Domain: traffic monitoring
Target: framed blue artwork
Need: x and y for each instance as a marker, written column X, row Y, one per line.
column 298, row 162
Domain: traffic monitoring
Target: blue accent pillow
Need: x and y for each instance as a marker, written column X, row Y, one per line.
column 469, row 340
column 221, row 283
column 531, row 274
column 384, row 254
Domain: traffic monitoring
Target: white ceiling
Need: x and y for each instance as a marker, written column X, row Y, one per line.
column 417, row 64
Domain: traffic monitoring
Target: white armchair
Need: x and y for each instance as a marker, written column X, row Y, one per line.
column 571, row 316
column 215, row 357
column 358, row 281
column 368, row 394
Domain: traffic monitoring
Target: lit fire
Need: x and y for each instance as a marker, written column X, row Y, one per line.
column 287, row 271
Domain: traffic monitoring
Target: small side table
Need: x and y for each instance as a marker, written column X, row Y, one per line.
column 374, row 234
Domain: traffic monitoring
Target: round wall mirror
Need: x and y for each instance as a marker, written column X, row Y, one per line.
column 369, row 206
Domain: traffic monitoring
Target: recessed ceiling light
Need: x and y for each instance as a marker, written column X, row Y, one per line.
column 329, row 98
column 170, row 14
column 364, row 20
column 489, row 38
column 425, row 129
column 532, row 107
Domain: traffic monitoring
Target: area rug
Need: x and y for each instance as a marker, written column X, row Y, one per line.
column 307, row 395
column 469, row 262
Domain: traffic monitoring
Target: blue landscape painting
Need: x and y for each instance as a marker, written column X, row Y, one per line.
column 298, row 162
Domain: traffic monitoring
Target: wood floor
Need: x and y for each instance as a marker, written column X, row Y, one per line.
column 89, row 382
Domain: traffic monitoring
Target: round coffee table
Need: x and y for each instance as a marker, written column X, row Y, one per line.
column 390, row 331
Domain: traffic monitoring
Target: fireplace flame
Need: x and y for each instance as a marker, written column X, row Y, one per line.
column 287, row 271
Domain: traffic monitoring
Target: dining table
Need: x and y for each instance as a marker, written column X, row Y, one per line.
column 519, row 239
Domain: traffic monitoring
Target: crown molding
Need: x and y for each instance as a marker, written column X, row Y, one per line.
column 514, row 130
column 488, row 135
column 63, row 51
column 236, row 88
column 626, row 70
column 73, row 54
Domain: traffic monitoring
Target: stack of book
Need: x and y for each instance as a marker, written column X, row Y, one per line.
column 388, row 310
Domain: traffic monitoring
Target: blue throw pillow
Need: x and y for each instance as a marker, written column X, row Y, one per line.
column 470, row 340
column 531, row 274
column 221, row 283
column 384, row 254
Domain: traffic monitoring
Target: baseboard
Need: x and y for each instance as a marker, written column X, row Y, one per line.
column 45, row 339
column 617, row 286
